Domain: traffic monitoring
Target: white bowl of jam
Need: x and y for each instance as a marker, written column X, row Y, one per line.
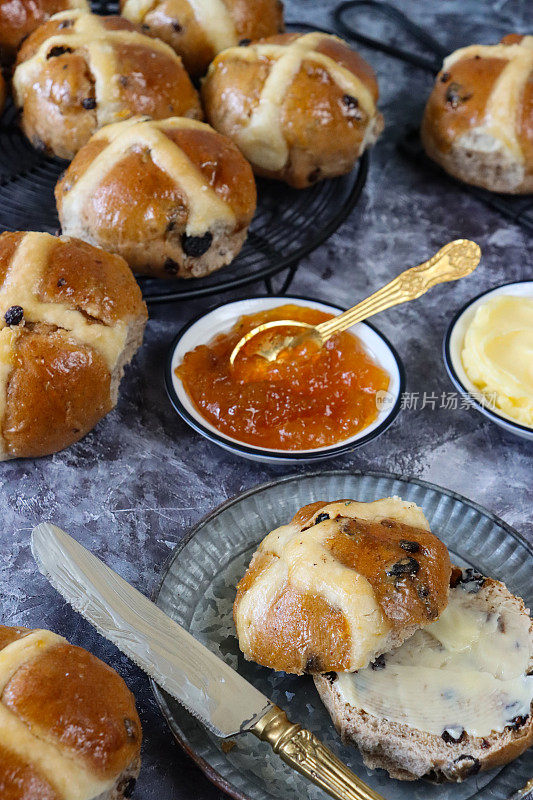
column 479, row 394
column 311, row 406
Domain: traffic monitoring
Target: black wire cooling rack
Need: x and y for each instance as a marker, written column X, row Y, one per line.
column 518, row 208
column 287, row 226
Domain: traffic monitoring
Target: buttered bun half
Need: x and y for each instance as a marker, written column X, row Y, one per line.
column 454, row 699
column 339, row 585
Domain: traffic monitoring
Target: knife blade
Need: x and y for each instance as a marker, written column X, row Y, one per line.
column 208, row 687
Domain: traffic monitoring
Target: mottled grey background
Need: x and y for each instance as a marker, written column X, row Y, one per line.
column 135, row 485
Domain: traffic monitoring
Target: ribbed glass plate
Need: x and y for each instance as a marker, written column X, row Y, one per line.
column 198, row 590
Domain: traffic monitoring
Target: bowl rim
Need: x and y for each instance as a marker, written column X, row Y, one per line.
column 279, row 455
column 454, row 377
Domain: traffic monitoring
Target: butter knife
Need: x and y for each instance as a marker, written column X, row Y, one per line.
column 205, row 685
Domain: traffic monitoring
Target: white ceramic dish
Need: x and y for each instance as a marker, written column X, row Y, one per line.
column 220, row 319
column 453, row 347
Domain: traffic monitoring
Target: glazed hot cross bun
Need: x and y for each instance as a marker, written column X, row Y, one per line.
column 78, row 72
column 339, row 585
column 69, row 729
column 199, row 29
column 19, row 18
column 173, row 197
column 71, row 317
column 478, row 122
column 301, row 107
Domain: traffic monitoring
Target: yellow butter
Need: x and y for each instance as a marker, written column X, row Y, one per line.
column 498, row 355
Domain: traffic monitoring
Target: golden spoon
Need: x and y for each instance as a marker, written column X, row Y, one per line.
column 453, row 261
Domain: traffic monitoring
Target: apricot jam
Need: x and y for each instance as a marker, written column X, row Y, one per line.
column 309, row 397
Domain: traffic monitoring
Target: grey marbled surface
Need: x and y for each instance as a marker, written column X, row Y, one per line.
column 135, row 485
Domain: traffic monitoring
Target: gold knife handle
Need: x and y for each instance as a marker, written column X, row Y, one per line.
column 301, row 750
column 525, row 793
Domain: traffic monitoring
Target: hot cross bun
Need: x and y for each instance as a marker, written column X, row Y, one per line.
column 19, row 18
column 301, row 107
column 78, row 72
column 339, row 585
column 69, row 729
column 478, row 123
column 199, row 29
column 71, row 317
column 173, row 197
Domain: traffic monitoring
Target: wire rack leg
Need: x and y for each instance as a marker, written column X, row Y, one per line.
column 289, row 277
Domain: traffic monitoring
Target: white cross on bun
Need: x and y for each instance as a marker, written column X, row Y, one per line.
column 69, row 729
column 71, row 317
column 80, row 71
column 301, row 107
column 199, row 29
column 340, row 584
column 173, row 197
column 478, row 122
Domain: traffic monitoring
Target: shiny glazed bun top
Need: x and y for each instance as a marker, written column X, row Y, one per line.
column 19, row 18
column 339, row 585
column 71, row 317
column 301, row 107
column 478, row 122
column 199, row 29
column 172, row 196
column 69, row 729
column 78, row 72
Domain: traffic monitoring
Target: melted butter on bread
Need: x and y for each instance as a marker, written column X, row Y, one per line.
column 466, row 671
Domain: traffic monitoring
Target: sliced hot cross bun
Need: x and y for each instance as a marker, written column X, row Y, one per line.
column 173, row 197
column 341, row 584
column 19, row 18
column 454, row 699
column 69, row 729
column 78, row 72
column 71, row 317
column 199, row 29
column 478, row 123
column 301, row 107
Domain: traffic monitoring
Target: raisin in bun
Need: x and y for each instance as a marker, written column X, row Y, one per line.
column 173, row 197
column 454, row 699
column 70, row 730
column 19, row 18
column 199, row 29
column 340, row 584
column 478, row 122
column 79, row 71
column 71, row 317
column 301, row 107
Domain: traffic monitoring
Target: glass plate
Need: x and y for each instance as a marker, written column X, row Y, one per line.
column 198, row 589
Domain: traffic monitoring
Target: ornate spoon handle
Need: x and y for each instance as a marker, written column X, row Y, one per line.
column 455, row 260
column 301, row 750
